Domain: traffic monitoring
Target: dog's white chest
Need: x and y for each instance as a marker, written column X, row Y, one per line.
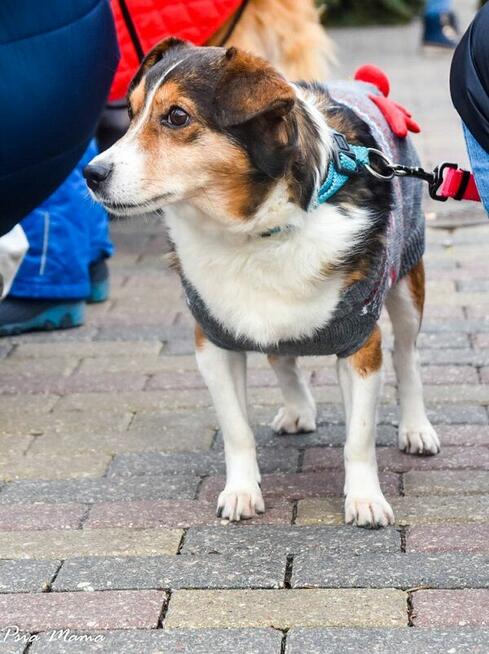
column 267, row 290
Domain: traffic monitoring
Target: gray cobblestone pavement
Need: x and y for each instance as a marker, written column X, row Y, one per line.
column 110, row 463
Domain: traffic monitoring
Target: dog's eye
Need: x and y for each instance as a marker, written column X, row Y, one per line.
column 176, row 117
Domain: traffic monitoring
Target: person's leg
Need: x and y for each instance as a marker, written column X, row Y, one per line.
column 479, row 159
column 438, row 7
column 440, row 24
column 53, row 281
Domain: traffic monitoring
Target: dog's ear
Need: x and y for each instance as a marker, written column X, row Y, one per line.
column 156, row 54
column 163, row 47
column 250, row 87
column 254, row 102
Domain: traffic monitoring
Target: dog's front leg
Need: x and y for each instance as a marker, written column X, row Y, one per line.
column 360, row 377
column 225, row 375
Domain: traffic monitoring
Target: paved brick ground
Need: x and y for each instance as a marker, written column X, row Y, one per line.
column 110, row 463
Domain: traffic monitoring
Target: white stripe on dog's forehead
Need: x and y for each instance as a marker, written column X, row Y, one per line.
column 150, row 97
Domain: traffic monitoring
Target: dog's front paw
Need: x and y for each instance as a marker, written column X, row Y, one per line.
column 292, row 421
column 240, row 503
column 371, row 512
column 420, row 439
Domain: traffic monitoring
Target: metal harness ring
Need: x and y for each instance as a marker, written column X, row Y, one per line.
column 388, row 163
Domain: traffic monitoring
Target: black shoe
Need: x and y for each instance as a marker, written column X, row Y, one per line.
column 20, row 315
column 99, row 282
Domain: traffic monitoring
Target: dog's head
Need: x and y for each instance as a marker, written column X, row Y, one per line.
column 210, row 126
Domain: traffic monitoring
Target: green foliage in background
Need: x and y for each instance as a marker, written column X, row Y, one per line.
column 369, row 12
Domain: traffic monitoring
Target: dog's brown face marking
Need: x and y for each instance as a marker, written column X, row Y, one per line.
column 237, row 136
column 368, row 359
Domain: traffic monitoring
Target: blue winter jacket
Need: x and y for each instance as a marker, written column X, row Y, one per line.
column 57, row 61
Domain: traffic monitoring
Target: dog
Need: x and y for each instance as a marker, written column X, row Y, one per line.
column 285, row 32
column 278, row 250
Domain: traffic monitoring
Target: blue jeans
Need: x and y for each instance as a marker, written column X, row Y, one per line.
column 438, row 6
column 479, row 159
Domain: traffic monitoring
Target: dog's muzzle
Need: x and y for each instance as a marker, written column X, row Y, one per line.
column 97, row 174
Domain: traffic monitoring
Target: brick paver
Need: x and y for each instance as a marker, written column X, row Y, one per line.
column 390, row 571
column 96, row 542
column 57, row 425
column 174, row 513
column 387, row 641
column 446, row 482
column 238, row 571
column 111, row 460
column 291, row 540
column 110, row 610
column 464, row 434
column 15, row 517
column 408, row 510
column 448, row 538
column 156, row 463
column 181, row 641
column 96, row 490
column 282, row 609
column 54, row 466
column 116, row 442
column 451, row 608
column 393, row 459
column 12, row 445
column 26, row 576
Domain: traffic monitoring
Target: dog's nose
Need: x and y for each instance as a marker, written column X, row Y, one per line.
column 96, row 174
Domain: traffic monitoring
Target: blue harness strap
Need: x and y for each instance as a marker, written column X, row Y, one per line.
column 346, row 161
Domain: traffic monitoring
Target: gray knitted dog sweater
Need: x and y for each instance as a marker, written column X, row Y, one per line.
column 361, row 303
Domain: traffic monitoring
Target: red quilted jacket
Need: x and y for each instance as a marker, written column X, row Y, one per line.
column 153, row 20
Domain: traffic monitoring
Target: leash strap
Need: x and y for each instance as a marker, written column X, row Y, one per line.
column 459, row 184
column 234, row 22
column 131, row 28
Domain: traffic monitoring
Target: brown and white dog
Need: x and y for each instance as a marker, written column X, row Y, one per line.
column 230, row 150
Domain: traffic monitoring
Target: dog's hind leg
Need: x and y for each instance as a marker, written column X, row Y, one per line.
column 405, row 306
column 360, row 377
column 298, row 414
column 225, row 375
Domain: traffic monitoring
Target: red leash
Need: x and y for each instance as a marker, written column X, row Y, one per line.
column 458, row 184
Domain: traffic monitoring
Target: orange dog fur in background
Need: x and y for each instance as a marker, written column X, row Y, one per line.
column 286, row 32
